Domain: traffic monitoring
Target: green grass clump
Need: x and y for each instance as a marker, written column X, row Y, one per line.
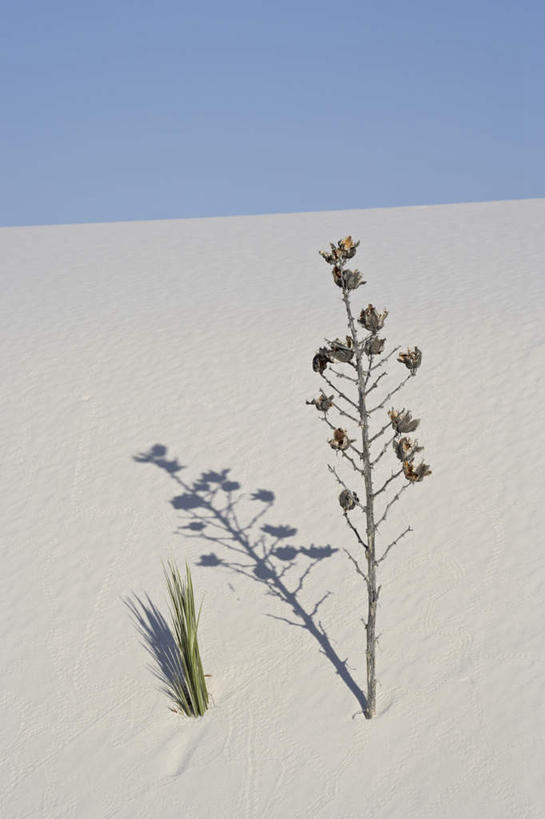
column 187, row 685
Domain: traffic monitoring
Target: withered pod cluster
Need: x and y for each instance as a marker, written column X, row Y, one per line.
column 360, row 357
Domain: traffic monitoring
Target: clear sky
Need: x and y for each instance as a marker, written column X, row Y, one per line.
column 125, row 110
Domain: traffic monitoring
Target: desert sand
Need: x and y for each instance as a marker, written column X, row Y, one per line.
column 154, row 384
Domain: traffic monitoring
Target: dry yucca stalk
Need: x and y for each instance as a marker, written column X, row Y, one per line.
column 358, row 355
column 187, row 685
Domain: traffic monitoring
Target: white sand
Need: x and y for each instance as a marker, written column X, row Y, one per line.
column 198, row 335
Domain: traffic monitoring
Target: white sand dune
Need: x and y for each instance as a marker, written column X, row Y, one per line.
column 147, row 364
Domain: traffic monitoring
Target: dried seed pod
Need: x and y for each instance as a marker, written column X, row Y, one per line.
column 352, row 279
column 342, row 351
column 329, row 257
column 348, row 246
column 416, row 474
column 406, row 449
column 403, row 421
column 340, row 440
column 323, row 402
column 412, row 359
column 343, row 250
column 374, row 345
column 371, row 319
column 348, row 499
column 321, row 360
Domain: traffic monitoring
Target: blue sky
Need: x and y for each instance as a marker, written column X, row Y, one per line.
column 149, row 110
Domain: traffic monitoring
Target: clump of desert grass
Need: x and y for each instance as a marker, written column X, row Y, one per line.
column 186, row 683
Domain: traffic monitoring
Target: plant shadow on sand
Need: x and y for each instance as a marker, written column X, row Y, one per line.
column 210, row 510
column 158, row 641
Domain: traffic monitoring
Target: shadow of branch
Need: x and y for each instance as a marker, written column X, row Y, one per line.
column 211, row 513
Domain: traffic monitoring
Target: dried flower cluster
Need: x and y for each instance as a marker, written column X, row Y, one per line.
column 342, row 351
column 320, row 361
column 338, row 350
column 373, row 345
column 416, row 473
column 348, row 499
column 406, row 449
column 412, row 359
column 323, row 402
column 340, row 440
column 337, row 257
column 371, row 320
column 402, row 420
column 344, row 249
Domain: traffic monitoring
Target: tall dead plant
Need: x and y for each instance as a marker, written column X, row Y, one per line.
column 359, row 360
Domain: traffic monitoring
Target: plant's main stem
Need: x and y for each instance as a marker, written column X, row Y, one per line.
column 372, row 590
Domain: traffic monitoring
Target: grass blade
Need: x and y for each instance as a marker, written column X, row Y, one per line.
column 189, row 691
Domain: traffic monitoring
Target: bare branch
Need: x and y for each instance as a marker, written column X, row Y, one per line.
column 390, row 394
column 394, row 499
column 346, row 414
column 348, row 458
column 393, row 543
column 384, row 449
column 338, row 391
column 328, row 422
column 343, row 375
column 368, row 373
column 357, row 566
column 390, row 479
column 351, row 322
column 380, row 432
column 375, row 383
column 362, row 342
column 349, row 522
column 385, row 359
column 334, row 471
